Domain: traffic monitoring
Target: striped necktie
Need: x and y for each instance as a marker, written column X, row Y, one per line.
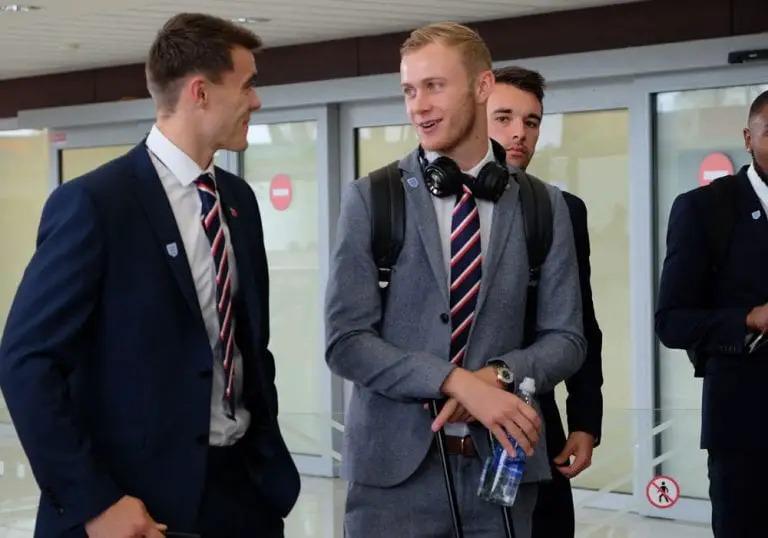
column 466, row 271
column 211, row 220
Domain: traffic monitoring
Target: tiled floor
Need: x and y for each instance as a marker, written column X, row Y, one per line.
column 320, row 509
column 319, row 512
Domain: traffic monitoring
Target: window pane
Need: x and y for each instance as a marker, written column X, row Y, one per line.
column 587, row 154
column 24, row 186
column 377, row 146
column 280, row 164
column 691, row 125
column 78, row 161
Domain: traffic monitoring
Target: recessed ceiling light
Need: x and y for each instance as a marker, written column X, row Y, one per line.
column 17, row 8
column 251, row 20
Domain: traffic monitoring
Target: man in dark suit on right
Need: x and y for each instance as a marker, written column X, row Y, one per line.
column 515, row 111
column 715, row 314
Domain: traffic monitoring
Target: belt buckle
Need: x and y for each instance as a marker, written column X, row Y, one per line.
column 463, row 445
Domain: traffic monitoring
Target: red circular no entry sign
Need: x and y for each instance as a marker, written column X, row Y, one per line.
column 281, row 192
column 713, row 166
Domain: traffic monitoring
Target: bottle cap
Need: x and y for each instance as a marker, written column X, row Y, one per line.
column 528, row 385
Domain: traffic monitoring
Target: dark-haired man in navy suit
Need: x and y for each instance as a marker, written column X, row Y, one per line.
column 515, row 112
column 134, row 361
column 715, row 313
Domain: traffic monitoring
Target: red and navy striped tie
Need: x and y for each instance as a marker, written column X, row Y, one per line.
column 211, row 219
column 466, row 271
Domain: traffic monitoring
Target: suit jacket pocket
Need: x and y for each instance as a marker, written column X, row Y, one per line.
column 272, row 470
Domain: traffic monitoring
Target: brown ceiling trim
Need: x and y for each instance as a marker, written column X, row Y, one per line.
column 308, row 62
column 749, row 17
column 120, row 83
column 62, row 89
column 651, row 22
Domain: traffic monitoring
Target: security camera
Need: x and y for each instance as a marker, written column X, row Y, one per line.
column 744, row 56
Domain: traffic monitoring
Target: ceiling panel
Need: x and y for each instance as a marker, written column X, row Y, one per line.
column 68, row 35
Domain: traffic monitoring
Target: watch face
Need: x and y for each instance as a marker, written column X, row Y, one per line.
column 505, row 375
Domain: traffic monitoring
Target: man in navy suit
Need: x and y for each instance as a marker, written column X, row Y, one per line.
column 515, row 111
column 134, row 361
column 714, row 313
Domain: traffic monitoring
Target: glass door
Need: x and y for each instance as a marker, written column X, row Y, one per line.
column 697, row 121
column 288, row 167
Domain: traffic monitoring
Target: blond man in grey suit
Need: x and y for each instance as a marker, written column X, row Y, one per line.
column 453, row 322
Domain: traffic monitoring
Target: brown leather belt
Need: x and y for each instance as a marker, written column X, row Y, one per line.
column 460, row 446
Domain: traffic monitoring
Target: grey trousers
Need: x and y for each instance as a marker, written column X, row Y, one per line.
column 419, row 508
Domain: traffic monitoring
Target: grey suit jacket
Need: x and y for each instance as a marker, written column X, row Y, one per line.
column 387, row 431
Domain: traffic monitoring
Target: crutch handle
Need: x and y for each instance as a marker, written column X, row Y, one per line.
column 458, row 531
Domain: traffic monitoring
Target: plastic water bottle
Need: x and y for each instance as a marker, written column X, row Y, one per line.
column 503, row 472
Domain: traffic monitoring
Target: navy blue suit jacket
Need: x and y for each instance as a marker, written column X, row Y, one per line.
column 697, row 310
column 105, row 362
column 584, row 405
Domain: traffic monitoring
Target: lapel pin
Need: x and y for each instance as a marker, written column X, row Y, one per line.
column 233, row 212
column 413, row 182
column 756, row 214
column 172, row 249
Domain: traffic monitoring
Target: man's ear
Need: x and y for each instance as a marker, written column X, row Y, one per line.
column 484, row 85
column 198, row 90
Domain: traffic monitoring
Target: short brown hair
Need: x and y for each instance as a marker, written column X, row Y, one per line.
column 473, row 49
column 193, row 43
column 522, row 79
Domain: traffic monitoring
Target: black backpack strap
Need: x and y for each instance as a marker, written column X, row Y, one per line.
column 719, row 204
column 537, row 216
column 388, row 224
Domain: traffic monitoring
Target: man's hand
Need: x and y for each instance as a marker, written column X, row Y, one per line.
column 579, row 445
column 455, row 412
column 127, row 518
column 498, row 410
column 757, row 319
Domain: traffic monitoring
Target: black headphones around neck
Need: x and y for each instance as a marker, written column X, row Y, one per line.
column 443, row 177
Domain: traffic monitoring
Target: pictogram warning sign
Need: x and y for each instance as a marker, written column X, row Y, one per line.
column 662, row 492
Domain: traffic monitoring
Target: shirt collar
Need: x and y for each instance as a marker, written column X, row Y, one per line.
column 754, row 179
column 174, row 159
column 431, row 156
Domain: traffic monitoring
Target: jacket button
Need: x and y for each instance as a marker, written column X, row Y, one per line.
column 202, row 439
column 445, row 318
column 206, row 374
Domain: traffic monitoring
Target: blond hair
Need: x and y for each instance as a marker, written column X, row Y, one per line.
column 473, row 49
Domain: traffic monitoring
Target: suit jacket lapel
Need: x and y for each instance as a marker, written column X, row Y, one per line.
column 420, row 201
column 154, row 200
column 501, row 227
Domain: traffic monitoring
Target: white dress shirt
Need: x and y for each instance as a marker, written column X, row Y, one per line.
column 178, row 172
column 761, row 189
column 444, row 212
